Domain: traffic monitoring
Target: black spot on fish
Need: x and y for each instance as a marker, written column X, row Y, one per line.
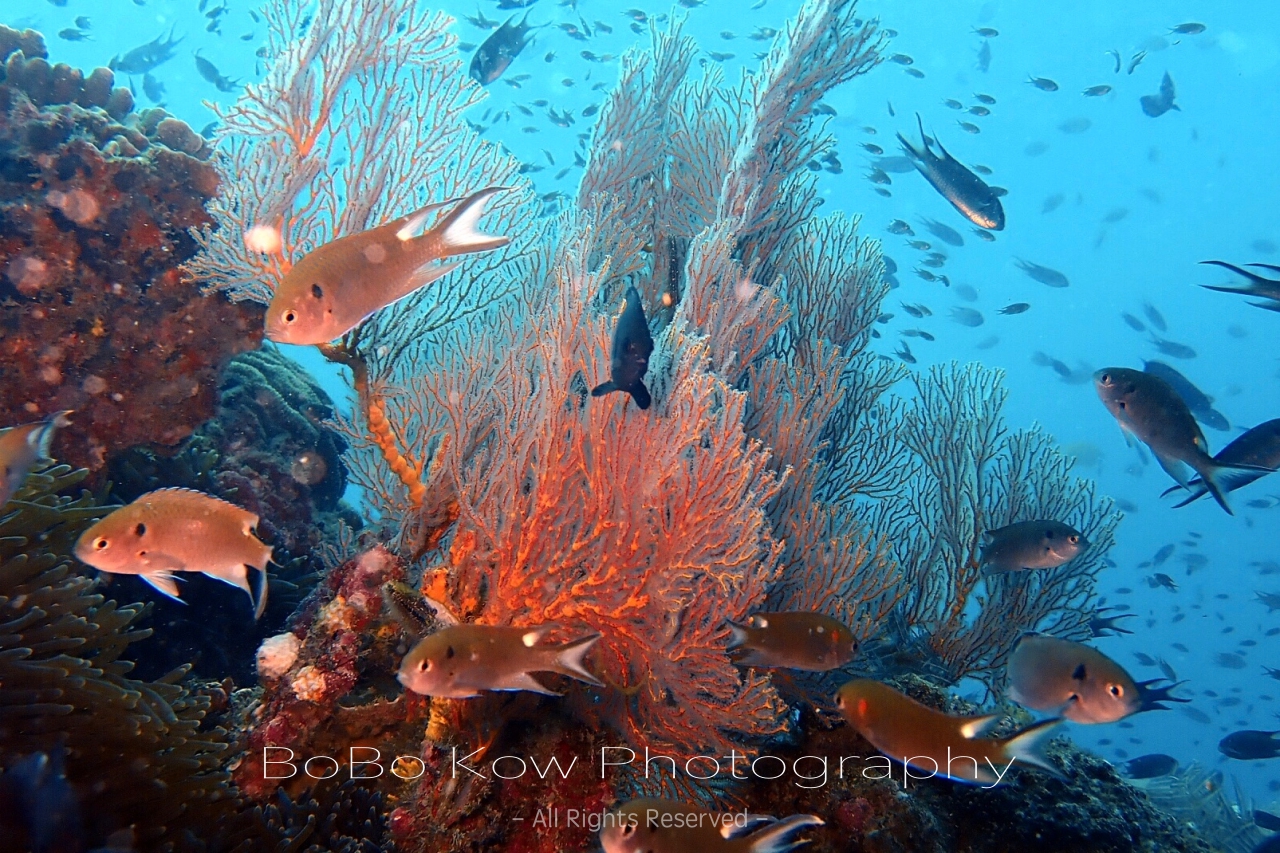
column 629, row 355
column 1080, row 673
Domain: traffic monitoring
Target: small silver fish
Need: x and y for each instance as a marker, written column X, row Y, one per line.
column 1044, row 544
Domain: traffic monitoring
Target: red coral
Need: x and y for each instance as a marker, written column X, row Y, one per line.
column 94, row 224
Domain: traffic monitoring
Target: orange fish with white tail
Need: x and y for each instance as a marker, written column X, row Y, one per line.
column 906, row 731
column 179, row 530
column 460, row 661
column 21, row 447
column 332, row 289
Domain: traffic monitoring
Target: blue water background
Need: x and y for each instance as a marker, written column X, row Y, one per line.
column 1211, row 167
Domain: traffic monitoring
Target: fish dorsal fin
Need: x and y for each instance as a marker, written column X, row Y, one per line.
column 412, row 224
column 978, row 726
column 1080, row 674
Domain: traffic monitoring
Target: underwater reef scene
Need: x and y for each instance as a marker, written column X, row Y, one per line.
column 624, row 537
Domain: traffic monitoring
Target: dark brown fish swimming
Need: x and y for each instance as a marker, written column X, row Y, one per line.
column 1265, row 288
column 1150, row 410
column 1044, row 275
column 1159, row 104
column 813, row 642
column 1031, row 545
column 1259, row 446
column 629, row 354
column 967, row 193
column 1250, row 745
column 495, row 54
column 1200, row 403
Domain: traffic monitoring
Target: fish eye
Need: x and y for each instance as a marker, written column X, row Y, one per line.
column 449, row 652
column 317, row 291
column 628, row 830
column 424, row 665
column 100, row 543
column 1106, row 379
column 1116, row 690
column 1073, row 539
column 840, row 702
column 289, row 316
column 140, row 530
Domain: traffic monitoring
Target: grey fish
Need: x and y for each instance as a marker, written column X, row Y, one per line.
column 1016, row 308
column 1044, row 84
column 1173, row 348
column 1098, row 91
column 495, row 53
column 210, row 72
column 1200, row 403
column 153, row 88
column 1159, row 104
column 1155, row 317
column 1150, row 410
column 629, row 355
column 967, row 316
column 1265, row 288
column 966, row 191
column 1259, row 446
column 1043, row 274
column 146, row 57
column 984, row 57
column 1052, row 203
column 1189, row 29
column 944, row 233
column 1133, row 322
column 1030, row 545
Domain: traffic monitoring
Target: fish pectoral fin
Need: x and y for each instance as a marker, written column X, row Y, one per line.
column 522, row 681
column 604, row 388
column 261, row 606
column 978, row 726
column 420, row 279
column 1175, row 468
column 163, row 582
column 640, row 394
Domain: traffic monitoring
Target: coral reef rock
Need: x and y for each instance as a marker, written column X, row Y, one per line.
column 96, row 204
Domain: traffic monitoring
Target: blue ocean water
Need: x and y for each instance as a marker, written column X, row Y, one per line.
column 1143, row 200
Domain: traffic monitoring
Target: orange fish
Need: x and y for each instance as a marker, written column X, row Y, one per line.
column 797, row 640
column 179, row 530
column 911, row 733
column 665, row 826
column 335, row 287
column 459, row 661
column 21, row 447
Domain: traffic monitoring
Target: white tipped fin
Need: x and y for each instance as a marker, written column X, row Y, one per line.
column 412, row 226
column 778, row 837
column 749, row 823
column 738, row 637
column 522, row 681
column 457, row 232
column 1029, row 744
column 978, row 726
column 164, row 583
column 262, row 595
column 568, row 660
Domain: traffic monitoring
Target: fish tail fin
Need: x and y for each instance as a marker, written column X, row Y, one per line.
column 43, row 437
column 1220, row 479
column 568, row 660
column 1028, row 746
column 261, row 606
column 778, row 837
column 737, row 635
column 1196, row 487
column 457, row 231
column 1257, row 286
column 641, row 395
column 603, row 388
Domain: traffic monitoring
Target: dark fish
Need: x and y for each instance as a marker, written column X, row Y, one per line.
column 1200, row 403
column 210, row 72
column 1154, row 316
column 969, row 127
column 1098, row 91
column 1149, row 409
column 629, row 355
column 944, row 233
column 1250, row 745
column 1270, row 599
column 904, row 353
column 813, row 642
column 72, row 34
column 1188, row 29
column 1266, row 820
column 1159, row 104
column 917, row 311
column 146, row 57
column 495, row 54
column 1162, row 555
column 1161, row 579
column 153, row 88
column 952, row 103
column 902, row 59
column 914, row 72
column 1133, row 322
column 979, row 111
column 1136, row 60
column 965, row 190
column 986, row 32
column 897, row 226
column 967, row 316
column 83, row 22
column 1052, row 203
column 1043, row 274
column 1150, row 766
column 1265, row 288
column 1030, row 545
column 1044, row 84
column 1101, row 625
column 1259, row 446
column 1173, row 348
column 984, row 99
column 984, row 57
column 1116, row 54
column 1016, row 308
